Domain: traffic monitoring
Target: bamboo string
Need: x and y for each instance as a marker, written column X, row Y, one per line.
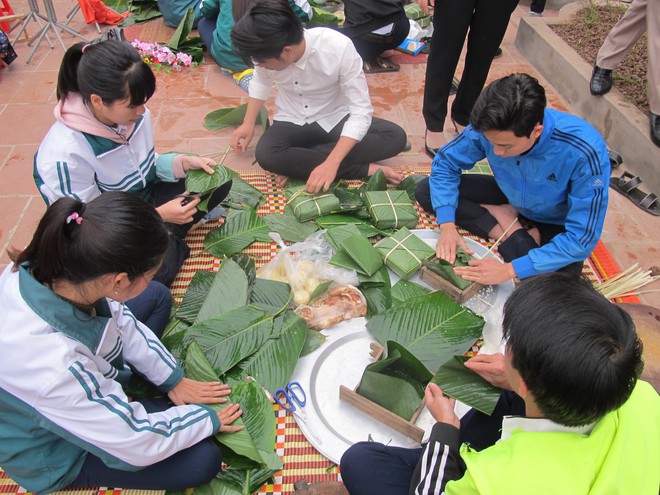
column 626, row 283
column 496, row 243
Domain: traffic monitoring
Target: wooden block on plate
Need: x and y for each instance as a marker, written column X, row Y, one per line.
column 378, row 412
column 440, row 283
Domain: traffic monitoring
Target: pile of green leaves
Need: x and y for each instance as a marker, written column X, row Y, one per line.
column 230, row 326
column 141, row 11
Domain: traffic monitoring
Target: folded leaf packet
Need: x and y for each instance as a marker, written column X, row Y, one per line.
column 404, row 252
column 357, row 253
column 391, row 209
column 310, row 206
column 396, row 382
column 446, row 269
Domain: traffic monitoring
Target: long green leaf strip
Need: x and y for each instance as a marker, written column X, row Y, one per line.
column 229, row 291
column 465, row 385
column 432, row 327
column 240, row 229
column 232, row 337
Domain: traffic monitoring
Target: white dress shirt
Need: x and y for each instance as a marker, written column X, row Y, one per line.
column 324, row 86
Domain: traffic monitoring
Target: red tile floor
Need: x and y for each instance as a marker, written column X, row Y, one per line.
column 27, row 96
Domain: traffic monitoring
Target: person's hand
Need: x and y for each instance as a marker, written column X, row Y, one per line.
column 490, row 367
column 440, row 407
column 321, row 177
column 449, row 240
column 227, row 415
column 175, row 212
column 488, row 271
column 241, row 137
column 198, row 162
column 189, row 391
column 425, row 4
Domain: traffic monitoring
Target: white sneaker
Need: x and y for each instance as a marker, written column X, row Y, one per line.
column 535, row 14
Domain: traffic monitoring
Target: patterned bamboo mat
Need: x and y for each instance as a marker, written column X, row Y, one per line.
column 301, row 460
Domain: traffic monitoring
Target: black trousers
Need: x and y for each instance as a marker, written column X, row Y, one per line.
column 370, row 45
column 475, row 190
column 295, row 150
column 486, row 21
column 178, row 250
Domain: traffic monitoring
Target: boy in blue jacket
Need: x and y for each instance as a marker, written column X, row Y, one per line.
column 547, row 196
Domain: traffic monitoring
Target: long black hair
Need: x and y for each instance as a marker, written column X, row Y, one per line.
column 117, row 232
column 111, row 69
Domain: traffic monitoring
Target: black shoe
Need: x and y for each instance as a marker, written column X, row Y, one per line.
column 601, row 81
column 430, row 151
column 655, row 129
column 498, row 53
column 454, row 86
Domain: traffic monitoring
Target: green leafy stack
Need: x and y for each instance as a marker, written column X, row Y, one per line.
column 404, row 252
column 309, row 206
column 391, row 209
column 231, row 325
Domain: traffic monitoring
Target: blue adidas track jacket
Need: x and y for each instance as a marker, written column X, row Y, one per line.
column 562, row 180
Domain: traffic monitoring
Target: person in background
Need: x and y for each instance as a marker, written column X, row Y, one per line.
column 323, row 127
column 536, row 8
column 574, row 418
column 68, row 344
column 484, row 22
column 103, row 140
column 642, row 16
column 547, row 197
column 174, row 10
column 218, row 18
column 376, row 27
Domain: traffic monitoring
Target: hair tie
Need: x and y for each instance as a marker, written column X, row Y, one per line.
column 84, row 47
column 75, row 217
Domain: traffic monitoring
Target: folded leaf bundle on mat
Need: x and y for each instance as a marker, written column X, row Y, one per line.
column 391, row 209
column 403, row 252
column 357, row 253
column 310, row 206
column 446, row 269
column 396, row 382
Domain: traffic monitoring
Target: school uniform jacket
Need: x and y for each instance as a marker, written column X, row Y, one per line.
column 80, row 165
column 60, row 395
column 616, row 457
column 562, row 180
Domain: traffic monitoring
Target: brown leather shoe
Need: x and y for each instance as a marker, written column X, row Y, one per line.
column 601, row 81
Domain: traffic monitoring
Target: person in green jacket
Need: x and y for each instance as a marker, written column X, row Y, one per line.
column 219, row 16
column 578, row 421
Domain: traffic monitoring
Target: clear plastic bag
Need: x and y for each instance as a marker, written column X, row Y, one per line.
column 340, row 302
column 304, row 266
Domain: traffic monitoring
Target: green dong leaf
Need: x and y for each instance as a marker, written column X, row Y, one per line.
column 241, row 228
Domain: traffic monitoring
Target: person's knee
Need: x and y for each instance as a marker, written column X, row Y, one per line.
column 423, row 195
column 161, row 295
column 208, row 461
column 353, row 460
column 518, row 244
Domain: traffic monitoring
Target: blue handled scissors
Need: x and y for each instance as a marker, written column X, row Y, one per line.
column 291, row 395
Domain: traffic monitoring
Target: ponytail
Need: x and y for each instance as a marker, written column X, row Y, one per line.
column 111, row 69
column 115, row 233
column 67, row 78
